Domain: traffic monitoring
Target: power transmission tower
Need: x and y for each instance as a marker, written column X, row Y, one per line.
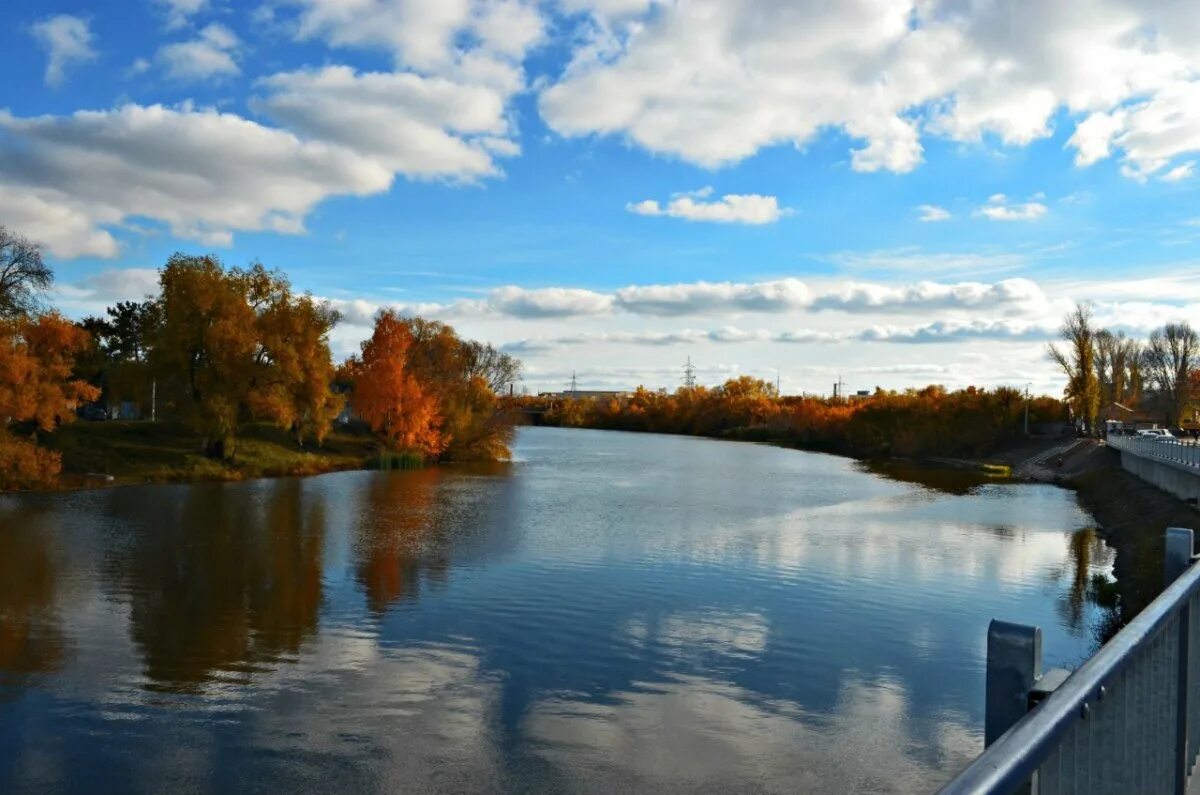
column 689, row 375
column 574, row 383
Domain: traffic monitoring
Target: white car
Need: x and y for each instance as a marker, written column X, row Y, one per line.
column 1160, row 433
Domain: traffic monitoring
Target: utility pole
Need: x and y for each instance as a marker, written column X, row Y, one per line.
column 154, row 400
column 689, row 375
column 1027, row 385
column 777, row 392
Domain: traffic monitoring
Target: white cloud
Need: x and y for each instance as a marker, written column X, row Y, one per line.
column 482, row 41
column 549, row 302
column 958, row 331
column 914, row 260
column 180, row 12
column 109, row 287
column 1150, row 133
column 998, row 208
column 64, row 227
column 715, row 81
column 931, row 212
column 700, row 297
column 731, row 208
column 202, row 173
column 1180, row 172
column 930, row 296
column 212, row 54
column 420, row 126
column 67, row 40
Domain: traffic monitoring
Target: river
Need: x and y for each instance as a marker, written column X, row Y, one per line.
column 611, row 612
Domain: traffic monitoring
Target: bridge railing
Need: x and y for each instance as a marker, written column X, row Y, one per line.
column 1127, row 721
column 1174, row 450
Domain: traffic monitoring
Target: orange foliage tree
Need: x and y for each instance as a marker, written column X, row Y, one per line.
column 37, row 392
column 387, row 395
column 929, row 421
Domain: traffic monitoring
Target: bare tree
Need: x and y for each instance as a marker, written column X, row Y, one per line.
column 23, row 275
column 1078, row 363
column 1171, row 357
column 1118, row 367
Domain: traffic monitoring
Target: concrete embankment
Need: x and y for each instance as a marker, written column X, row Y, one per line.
column 1131, row 514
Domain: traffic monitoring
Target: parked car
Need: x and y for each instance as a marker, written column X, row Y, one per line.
column 93, row 413
column 1160, row 433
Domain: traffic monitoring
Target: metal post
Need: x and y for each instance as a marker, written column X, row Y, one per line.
column 1014, row 664
column 1177, row 553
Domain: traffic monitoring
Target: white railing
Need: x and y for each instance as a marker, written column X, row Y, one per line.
column 1126, row 723
column 1177, row 451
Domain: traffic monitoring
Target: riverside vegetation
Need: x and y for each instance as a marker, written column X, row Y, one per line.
column 237, row 370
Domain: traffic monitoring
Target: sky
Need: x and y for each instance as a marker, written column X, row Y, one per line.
column 889, row 192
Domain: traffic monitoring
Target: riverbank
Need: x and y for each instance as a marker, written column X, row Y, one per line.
column 1131, row 517
column 113, row 453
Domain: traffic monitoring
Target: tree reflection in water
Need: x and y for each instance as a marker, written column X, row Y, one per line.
column 232, row 583
column 31, row 641
column 397, row 539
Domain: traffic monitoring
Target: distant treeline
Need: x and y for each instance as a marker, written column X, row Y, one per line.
column 915, row 423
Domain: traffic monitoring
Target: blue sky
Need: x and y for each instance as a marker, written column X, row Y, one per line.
column 900, row 193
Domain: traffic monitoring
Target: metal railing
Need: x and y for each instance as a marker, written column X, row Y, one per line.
column 1127, row 721
column 1176, row 451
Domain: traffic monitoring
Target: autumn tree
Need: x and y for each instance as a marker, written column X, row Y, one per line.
column 389, row 397
column 38, row 392
column 1078, row 363
column 205, row 347
column 1172, row 354
column 465, row 377
column 23, row 274
column 293, row 367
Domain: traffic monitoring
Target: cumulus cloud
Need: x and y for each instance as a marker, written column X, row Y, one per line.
column 732, row 208
column 67, row 41
column 548, row 302
column 931, row 212
column 701, row 297
column 715, row 81
column 203, row 173
column 93, row 293
column 66, row 228
column 1180, row 172
column 417, row 125
column 930, row 296
column 212, row 53
column 180, row 12
column 1150, row 133
column 480, row 40
column 998, row 208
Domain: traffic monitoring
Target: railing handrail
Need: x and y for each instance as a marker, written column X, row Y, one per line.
column 1016, row 756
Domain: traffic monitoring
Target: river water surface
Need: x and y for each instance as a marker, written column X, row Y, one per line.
column 610, row 613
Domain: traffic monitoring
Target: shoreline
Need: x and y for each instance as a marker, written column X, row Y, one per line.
column 1130, row 515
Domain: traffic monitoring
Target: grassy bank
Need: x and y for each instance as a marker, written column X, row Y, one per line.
column 144, row 452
